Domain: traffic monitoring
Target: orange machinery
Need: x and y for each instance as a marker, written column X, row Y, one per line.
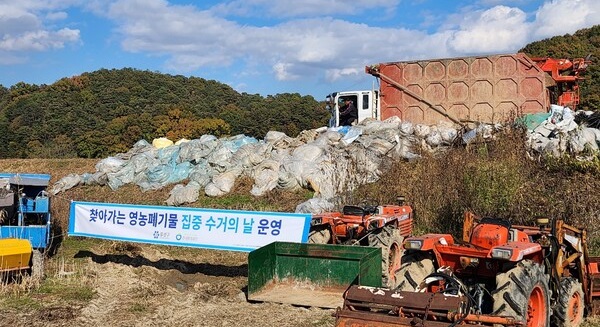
column 498, row 274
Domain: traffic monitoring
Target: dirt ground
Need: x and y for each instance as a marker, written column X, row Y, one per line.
column 148, row 286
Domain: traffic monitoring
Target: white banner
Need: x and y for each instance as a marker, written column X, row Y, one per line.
column 192, row 227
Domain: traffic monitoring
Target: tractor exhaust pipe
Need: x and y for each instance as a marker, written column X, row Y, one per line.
column 400, row 200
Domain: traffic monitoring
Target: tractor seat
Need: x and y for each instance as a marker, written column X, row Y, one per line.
column 496, row 221
column 353, row 211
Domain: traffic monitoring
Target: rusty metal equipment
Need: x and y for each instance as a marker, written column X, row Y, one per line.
column 381, row 226
column 362, row 244
column 566, row 75
column 310, row 274
column 498, row 275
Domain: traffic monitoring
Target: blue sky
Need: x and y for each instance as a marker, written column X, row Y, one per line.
column 312, row 47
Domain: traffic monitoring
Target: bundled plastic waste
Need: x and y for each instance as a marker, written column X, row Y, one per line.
column 559, row 132
column 329, row 161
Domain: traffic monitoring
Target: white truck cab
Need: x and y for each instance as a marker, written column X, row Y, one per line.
column 367, row 103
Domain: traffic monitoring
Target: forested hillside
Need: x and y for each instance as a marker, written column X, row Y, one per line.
column 105, row 112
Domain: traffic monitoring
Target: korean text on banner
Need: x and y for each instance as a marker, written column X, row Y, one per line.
column 192, row 227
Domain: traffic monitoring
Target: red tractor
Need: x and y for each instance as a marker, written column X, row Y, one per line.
column 566, row 75
column 498, row 275
column 383, row 226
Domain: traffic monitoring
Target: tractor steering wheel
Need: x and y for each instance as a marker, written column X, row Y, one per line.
column 369, row 205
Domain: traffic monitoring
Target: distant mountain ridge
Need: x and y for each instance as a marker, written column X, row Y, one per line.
column 104, row 112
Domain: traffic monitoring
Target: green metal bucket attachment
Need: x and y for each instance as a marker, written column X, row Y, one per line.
column 310, row 274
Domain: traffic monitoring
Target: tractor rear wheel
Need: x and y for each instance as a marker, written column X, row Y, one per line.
column 568, row 310
column 522, row 292
column 390, row 241
column 319, row 234
column 415, row 267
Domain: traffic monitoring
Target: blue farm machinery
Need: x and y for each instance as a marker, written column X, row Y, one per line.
column 25, row 223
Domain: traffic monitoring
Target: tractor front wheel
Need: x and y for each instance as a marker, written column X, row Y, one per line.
column 415, row 267
column 522, row 292
column 390, row 241
column 568, row 311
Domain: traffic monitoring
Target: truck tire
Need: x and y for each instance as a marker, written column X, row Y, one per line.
column 390, row 241
column 319, row 234
column 37, row 265
column 569, row 307
column 522, row 293
column 415, row 267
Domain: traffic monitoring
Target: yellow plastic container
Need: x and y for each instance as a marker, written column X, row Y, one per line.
column 15, row 254
column 161, row 142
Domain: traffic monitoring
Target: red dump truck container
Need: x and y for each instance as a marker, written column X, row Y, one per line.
column 483, row 88
column 488, row 89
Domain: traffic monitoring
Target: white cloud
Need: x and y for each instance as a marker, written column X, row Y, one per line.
column 502, row 2
column 340, row 9
column 15, row 20
column 303, row 39
column 39, row 40
column 559, row 17
column 22, row 28
column 39, row 5
column 336, row 74
column 498, row 29
column 57, row 15
column 283, row 72
column 191, row 38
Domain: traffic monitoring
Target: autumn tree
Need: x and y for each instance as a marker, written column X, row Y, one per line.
column 182, row 124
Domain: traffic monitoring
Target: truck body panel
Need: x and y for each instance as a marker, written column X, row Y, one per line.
column 487, row 89
column 482, row 88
